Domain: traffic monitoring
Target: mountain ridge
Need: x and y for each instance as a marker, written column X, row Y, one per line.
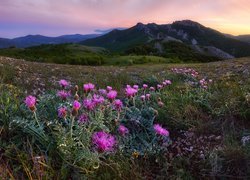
column 186, row 31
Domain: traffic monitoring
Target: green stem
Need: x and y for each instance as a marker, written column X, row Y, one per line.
column 71, row 126
column 36, row 119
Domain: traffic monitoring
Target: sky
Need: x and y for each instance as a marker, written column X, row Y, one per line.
column 58, row 17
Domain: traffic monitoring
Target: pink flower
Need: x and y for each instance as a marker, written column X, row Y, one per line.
column 102, row 91
column 63, row 94
column 63, row 83
column 159, row 86
column 136, row 87
column 76, row 105
column 88, row 87
column 164, row 83
column 130, row 92
column 123, row 130
column 89, row 104
column 168, row 82
column 103, row 142
column 83, row 118
column 148, row 96
column 112, row 94
column 109, row 88
column 98, row 99
column 128, row 86
column 145, row 86
column 30, row 102
column 118, row 104
column 160, row 130
column 62, row 112
column 143, row 97
column 152, row 88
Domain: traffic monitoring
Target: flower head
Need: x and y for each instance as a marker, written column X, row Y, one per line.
column 109, row 88
column 148, row 96
column 63, row 83
column 98, row 99
column 102, row 91
column 152, row 88
column 76, row 105
column 130, row 92
column 143, row 97
column 123, row 130
column 88, row 87
column 112, row 94
column 136, row 87
column 89, row 104
column 62, row 112
column 83, row 118
column 159, row 86
column 168, row 82
column 160, row 130
column 30, row 102
column 63, row 94
column 145, row 86
column 118, row 104
column 103, row 142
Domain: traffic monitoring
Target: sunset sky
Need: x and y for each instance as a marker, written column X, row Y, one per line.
column 57, row 17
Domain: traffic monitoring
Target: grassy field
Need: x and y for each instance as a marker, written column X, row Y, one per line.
column 208, row 128
column 77, row 54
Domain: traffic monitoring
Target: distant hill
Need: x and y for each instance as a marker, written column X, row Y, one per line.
column 59, row 53
column 188, row 32
column 35, row 40
column 245, row 38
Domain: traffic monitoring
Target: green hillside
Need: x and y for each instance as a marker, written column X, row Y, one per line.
column 60, row 54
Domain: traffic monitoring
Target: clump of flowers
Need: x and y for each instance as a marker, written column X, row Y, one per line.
column 103, row 142
column 160, row 130
column 30, row 102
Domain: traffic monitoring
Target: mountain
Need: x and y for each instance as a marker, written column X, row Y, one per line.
column 35, row 40
column 5, row 43
column 245, row 38
column 202, row 39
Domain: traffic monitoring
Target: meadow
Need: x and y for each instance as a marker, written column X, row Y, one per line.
column 146, row 120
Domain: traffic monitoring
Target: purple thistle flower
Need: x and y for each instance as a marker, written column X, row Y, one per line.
column 83, row 118
column 63, row 83
column 118, row 104
column 152, row 89
column 89, row 104
column 30, row 102
column 145, row 86
column 62, row 112
column 76, row 105
column 97, row 99
column 143, row 97
column 148, row 96
column 63, row 94
column 109, row 88
column 123, row 130
column 160, row 130
column 136, row 87
column 130, row 92
column 102, row 91
column 88, row 87
column 103, row 142
column 112, row 94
